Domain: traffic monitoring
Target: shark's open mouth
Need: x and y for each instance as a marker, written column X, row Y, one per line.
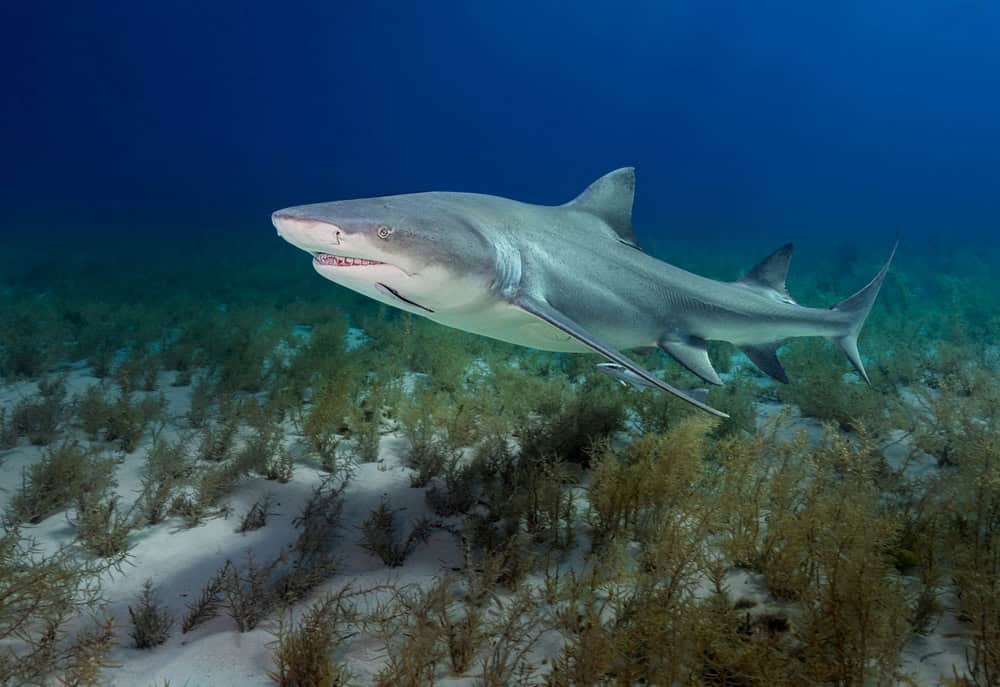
column 331, row 260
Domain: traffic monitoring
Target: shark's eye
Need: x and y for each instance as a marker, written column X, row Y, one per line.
column 384, row 231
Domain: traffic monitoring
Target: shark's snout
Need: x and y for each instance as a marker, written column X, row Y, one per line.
column 306, row 232
column 290, row 220
column 277, row 217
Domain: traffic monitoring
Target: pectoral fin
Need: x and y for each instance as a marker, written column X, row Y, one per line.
column 543, row 310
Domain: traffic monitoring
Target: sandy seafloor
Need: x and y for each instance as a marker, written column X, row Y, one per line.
column 180, row 560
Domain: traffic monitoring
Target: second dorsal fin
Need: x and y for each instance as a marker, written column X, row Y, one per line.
column 771, row 272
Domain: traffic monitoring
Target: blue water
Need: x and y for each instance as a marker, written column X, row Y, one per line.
column 145, row 145
column 761, row 122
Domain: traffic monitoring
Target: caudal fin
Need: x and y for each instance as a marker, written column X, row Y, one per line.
column 857, row 307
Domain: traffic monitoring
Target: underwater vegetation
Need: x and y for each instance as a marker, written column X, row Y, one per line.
column 568, row 530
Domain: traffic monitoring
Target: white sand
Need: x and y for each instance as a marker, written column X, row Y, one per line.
column 180, row 561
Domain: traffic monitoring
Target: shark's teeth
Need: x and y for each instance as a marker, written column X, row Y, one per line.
column 343, row 260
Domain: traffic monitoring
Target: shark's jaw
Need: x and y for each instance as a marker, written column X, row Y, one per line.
column 334, row 260
column 364, row 275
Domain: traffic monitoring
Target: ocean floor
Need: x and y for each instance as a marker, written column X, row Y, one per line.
column 179, row 560
column 321, row 496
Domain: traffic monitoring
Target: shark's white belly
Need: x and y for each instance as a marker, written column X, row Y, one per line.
column 507, row 322
column 467, row 304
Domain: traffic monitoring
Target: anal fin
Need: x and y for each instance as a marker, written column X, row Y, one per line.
column 692, row 354
column 765, row 357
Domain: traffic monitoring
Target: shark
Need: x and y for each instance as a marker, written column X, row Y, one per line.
column 627, row 378
column 568, row 278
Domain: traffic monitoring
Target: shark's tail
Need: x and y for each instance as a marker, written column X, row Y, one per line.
column 857, row 308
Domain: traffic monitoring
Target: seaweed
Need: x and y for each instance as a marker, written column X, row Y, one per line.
column 589, row 651
column 27, row 350
column 242, row 349
column 819, row 388
column 8, row 433
column 418, row 345
column 854, row 610
column 102, row 527
column 167, row 466
column 249, row 593
column 412, row 649
column 246, row 595
column 429, row 452
column 971, row 505
column 548, row 507
column 496, row 528
column 319, row 519
column 87, row 656
column 570, row 430
column 150, row 373
column 281, row 467
column 759, row 479
column 380, row 536
column 180, row 356
column 365, row 436
column 455, row 490
column 64, row 474
column 151, row 622
column 101, row 360
column 513, row 630
column 325, row 420
column 256, row 516
column 302, row 656
column 40, row 418
column 130, row 371
column 209, row 603
column 127, row 420
column 218, row 439
column 201, row 403
column 826, row 543
column 209, row 485
column 461, row 623
column 93, row 411
column 736, row 399
column 629, row 494
column 423, row 628
column 364, row 419
column 321, row 358
column 40, row 593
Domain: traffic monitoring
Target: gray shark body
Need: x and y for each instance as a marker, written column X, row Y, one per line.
column 565, row 278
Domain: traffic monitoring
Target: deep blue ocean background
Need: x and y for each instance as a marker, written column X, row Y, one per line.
column 168, row 364
column 753, row 123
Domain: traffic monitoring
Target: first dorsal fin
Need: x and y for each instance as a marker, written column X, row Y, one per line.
column 771, row 272
column 610, row 198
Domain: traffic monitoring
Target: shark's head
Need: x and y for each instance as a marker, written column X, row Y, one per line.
column 417, row 252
